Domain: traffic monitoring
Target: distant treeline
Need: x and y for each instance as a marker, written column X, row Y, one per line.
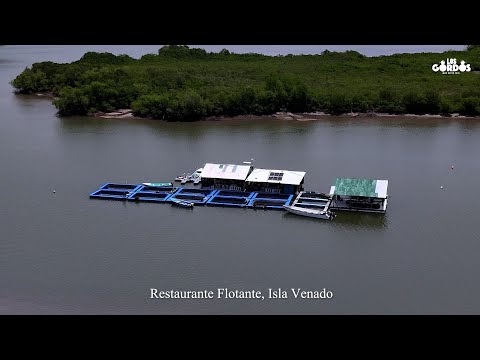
column 180, row 83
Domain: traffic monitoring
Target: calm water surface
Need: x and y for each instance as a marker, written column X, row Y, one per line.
column 63, row 253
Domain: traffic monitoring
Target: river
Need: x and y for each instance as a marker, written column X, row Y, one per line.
column 63, row 253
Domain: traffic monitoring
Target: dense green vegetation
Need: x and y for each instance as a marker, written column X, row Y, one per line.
column 471, row 47
column 180, row 83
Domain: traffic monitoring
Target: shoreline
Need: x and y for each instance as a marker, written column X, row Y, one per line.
column 303, row 117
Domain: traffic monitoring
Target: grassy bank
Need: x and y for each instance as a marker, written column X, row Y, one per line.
column 186, row 84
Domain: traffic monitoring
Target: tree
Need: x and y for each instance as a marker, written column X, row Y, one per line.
column 470, row 106
column 471, row 47
column 187, row 84
column 72, row 102
column 30, row 81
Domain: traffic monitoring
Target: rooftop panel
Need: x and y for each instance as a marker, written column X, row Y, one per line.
column 361, row 187
column 276, row 176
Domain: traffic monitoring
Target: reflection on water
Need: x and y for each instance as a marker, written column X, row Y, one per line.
column 270, row 129
column 403, row 122
column 361, row 221
column 468, row 124
column 344, row 221
column 80, row 123
column 268, row 126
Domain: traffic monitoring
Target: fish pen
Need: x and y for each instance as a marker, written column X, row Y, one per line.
column 114, row 191
column 264, row 200
column 230, row 198
column 196, row 196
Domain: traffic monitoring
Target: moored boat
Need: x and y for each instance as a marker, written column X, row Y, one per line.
column 164, row 184
column 182, row 203
column 186, row 177
column 319, row 214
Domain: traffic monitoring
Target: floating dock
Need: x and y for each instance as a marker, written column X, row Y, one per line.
column 228, row 198
column 312, row 200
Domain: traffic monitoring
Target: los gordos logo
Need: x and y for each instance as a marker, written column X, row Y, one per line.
column 450, row 67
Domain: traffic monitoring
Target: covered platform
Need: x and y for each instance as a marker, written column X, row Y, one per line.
column 367, row 195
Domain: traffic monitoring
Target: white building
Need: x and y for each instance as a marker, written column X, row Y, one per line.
column 225, row 176
column 275, row 181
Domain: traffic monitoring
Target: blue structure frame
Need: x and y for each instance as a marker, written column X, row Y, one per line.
column 230, row 198
column 272, row 201
column 196, row 196
column 115, row 191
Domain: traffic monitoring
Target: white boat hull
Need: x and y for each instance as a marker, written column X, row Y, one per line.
column 182, row 203
column 160, row 185
column 318, row 214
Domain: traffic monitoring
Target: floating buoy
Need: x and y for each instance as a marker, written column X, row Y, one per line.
column 54, row 191
column 441, row 187
column 452, row 167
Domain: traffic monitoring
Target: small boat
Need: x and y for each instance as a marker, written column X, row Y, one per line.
column 164, row 184
column 182, row 203
column 181, row 177
column 319, row 214
column 190, row 177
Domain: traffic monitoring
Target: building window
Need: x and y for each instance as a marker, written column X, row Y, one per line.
column 272, row 190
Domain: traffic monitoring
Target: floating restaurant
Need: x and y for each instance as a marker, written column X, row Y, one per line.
column 245, row 186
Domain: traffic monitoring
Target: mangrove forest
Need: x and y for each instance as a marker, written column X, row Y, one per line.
column 182, row 84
